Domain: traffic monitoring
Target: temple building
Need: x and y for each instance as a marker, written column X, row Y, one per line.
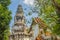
column 19, row 30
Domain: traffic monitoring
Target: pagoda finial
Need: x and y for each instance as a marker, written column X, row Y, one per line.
column 19, row 5
column 19, row 9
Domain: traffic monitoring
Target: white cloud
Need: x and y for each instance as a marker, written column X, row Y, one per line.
column 29, row 2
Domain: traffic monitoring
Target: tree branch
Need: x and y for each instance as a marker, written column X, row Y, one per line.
column 56, row 4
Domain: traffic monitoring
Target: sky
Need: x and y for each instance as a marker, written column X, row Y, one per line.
column 26, row 5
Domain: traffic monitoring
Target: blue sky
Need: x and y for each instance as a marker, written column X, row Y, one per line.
column 26, row 4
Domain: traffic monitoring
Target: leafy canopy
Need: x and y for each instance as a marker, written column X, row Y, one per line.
column 5, row 16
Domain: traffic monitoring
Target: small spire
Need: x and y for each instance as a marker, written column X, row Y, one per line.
column 19, row 6
column 19, row 9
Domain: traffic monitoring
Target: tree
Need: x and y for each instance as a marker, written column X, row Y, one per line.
column 5, row 16
column 49, row 11
column 56, row 3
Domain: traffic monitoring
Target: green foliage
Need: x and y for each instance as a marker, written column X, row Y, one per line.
column 5, row 3
column 58, row 1
column 48, row 13
column 29, row 13
column 5, row 16
column 56, row 29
